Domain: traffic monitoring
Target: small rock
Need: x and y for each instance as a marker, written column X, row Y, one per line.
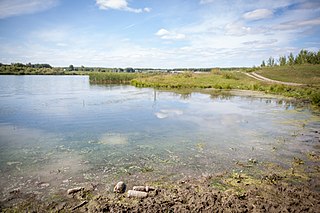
column 15, row 191
column 74, row 190
column 137, row 194
column 44, row 185
column 254, row 161
column 120, row 187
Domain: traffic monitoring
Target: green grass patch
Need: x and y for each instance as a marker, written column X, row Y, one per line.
column 111, row 77
column 220, row 80
column 238, row 80
column 304, row 74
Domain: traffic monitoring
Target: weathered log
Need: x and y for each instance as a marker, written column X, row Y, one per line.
column 137, row 194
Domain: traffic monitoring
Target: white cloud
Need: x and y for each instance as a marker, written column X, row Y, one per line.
column 10, row 8
column 294, row 25
column 258, row 14
column 162, row 32
column 258, row 43
column 165, row 34
column 147, row 9
column 237, row 29
column 119, row 5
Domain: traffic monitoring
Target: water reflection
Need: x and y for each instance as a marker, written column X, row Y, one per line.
column 74, row 132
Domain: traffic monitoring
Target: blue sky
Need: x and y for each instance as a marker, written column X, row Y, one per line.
column 154, row 33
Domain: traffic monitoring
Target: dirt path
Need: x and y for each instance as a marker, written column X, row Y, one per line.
column 261, row 78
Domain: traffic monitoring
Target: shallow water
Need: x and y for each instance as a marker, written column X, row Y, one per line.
column 61, row 131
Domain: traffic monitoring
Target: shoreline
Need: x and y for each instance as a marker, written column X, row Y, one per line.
column 255, row 186
column 220, row 192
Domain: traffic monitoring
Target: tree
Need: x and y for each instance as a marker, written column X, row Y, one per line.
column 291, row 59
column 282, row 60
column 301, row 57
column 129, row 69
column 271, row 62
column 71, row 68
column 318, row 57
column 311, row 57
column 263, row 64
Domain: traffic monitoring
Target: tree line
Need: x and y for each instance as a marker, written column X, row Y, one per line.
column 303, row 57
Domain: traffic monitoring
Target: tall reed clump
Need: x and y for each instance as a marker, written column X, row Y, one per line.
column 315, row 98
column 111, row 77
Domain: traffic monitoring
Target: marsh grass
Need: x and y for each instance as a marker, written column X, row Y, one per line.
column 110, row 77
column 114, row 77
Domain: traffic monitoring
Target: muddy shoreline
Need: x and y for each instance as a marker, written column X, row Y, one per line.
column 259, row 187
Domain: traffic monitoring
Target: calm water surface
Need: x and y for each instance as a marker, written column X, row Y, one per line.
column 62, row 131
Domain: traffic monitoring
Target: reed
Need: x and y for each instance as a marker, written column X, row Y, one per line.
column 111, row 77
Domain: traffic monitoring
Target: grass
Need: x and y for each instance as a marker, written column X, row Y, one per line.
column 113, row 77
column 304, row 74
column 217, row 80
column 110, row 77
column 238, row 80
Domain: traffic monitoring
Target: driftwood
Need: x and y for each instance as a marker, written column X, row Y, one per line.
column 74, row 190
column 143, row 188
column 137, row 194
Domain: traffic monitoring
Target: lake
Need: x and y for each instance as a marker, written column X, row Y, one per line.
column 61, row 131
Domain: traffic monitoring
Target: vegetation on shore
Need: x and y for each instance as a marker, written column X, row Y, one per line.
column 303, row 74
column 303, row 68
column 112, row 77
column 308, row 74
column 36, row 69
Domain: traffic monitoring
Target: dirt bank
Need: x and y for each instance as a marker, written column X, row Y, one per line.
column 284, row 190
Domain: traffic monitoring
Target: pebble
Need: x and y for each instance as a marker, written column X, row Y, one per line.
column 120, row 187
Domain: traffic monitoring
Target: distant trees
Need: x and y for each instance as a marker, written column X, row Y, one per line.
column 291, row 59
column 304, row 57
column 70, row 68
column 31, row 65
column 271, row 62
column 282, row 60
column 129, row 69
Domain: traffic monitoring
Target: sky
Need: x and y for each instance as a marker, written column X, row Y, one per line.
column 156, row 33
